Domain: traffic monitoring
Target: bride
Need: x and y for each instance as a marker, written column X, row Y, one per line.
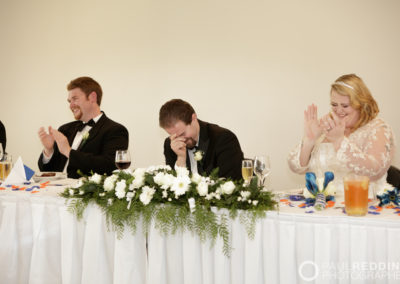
column 350, row 139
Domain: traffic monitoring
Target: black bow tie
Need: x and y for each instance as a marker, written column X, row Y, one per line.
column 83, row 124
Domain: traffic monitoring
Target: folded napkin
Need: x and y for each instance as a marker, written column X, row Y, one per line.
column 20, row 173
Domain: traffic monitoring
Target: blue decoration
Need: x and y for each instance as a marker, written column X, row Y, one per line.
column 390, row 196
column 319, row 200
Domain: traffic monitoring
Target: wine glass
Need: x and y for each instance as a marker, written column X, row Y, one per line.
column 1, row 152
column 247, row 170
column 262, row 168
column 122, row 159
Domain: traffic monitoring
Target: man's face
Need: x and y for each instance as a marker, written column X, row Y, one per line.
column 79, row 104
column 188, row 132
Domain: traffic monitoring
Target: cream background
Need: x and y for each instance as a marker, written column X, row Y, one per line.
column 251, row 66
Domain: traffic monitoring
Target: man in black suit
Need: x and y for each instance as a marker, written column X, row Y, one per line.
column 190, row 136
column 87, row 144
column 3, row 137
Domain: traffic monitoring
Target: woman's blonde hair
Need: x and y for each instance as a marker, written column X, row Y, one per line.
column 352, row 86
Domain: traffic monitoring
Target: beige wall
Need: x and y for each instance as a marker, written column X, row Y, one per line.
column 251, row 66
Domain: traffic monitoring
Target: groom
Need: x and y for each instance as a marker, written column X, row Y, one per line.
column 200, row 146
column 87, row 144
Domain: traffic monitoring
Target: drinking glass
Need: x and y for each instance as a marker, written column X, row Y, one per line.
column 5, row 166
column 247, row 170
column 356, row 194
column 262, row 168
column 122, row 159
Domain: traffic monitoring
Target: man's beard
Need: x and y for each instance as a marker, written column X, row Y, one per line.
column 190, row 143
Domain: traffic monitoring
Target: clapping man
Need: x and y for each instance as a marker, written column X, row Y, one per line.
column 87, row 144
column 200, row 146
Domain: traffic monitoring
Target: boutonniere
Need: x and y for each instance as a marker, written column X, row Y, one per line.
column 198, row 155
column 85, row 137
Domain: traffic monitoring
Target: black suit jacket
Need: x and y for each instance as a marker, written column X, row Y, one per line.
column 96, row 154
column 221, row 148
column 3, row 137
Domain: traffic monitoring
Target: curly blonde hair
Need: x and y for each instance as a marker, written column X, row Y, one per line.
column 352, row 86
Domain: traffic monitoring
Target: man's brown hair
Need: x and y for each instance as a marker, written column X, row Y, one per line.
column 175, row 110
column 87, row 85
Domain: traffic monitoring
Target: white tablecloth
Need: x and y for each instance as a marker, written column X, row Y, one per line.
column 41, row 242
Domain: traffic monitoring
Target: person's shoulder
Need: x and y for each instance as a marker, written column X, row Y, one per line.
column 69, row 125
column 108, row 122
column 217, row 131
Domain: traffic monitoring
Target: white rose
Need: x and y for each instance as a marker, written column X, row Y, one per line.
column 130, row 195
column 139, row 172
column 228, row 187
column 147, row 194
column 102, row 194
column 137, row 182
column 255, row 202
column 181, row 171
column 78, row 184
column 180, row 185
column 71, row 192
column 209, row 196
column 120, row 189
column 164, row 194
column 245, row 194
column 198, row 155
column 202, row 188
column 96, row 178
column 109, row 182
column 196, row 178
column 81, row 192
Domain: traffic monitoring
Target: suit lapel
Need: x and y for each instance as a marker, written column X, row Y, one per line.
column 204, row 142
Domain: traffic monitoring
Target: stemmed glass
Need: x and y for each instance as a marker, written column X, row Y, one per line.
column 122, row 159
column 262, row 168
column 247, row 170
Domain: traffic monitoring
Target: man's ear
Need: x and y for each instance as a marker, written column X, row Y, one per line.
column 194, row 117
column 93, row 97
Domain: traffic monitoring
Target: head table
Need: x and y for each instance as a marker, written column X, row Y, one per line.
column 42, row 242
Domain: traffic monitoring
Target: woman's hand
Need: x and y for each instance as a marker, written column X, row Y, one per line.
column 312, row 127
column 334, row 128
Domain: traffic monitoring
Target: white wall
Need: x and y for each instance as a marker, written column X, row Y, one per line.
column 251, row 66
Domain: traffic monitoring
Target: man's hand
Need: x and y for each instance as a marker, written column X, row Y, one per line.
column 47, row 141
column 62, row 142
column 178, row 145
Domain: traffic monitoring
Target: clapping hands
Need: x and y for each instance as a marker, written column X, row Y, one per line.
column 48, row 139
column 330, row 124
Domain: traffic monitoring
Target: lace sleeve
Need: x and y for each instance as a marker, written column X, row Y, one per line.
column 370, row 151
column 294, row 160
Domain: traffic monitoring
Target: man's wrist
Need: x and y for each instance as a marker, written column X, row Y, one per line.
column 181, row 161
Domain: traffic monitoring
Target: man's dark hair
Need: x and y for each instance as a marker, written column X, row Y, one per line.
column 173, row 111
column 87, row 85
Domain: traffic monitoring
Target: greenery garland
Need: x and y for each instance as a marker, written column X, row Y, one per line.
column 174, row 200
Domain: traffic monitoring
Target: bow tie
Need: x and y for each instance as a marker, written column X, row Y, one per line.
column 83, row 124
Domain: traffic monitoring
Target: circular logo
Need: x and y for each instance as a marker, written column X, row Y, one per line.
column 301, row 267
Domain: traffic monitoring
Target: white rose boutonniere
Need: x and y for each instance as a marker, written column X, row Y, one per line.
column 85, row 137
column 198, row 155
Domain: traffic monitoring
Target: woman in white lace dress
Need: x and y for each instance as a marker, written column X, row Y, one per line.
column 351, row 138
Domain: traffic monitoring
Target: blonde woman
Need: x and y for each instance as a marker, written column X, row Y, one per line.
column 351, row 138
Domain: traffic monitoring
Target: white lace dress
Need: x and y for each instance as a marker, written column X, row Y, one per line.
column 367, row 151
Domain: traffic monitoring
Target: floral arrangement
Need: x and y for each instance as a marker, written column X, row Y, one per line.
column 390, row 196
column 173, row 200
column 319, row 190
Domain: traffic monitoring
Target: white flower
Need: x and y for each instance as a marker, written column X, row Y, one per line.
column 164, row 180
column 255, row 202
column 181, row 171
column 130, row 195
column 239, row 198
column 109, row 182
column 78, row 184
column 245, row 194
column 164, row 194
column 192, row 204
column 228, row 187
column 198, row 155
column 139, row 172
column 218, row 196
column 147, row 194
column 180, row 185
column 96, row 178
column 169, row 199
column 137, row 182
column 249, row 201
column 102, row 194
column 196, row 178
column 120, row 189
column 209, row 196
column 109, row 202
column 81, row 192
column 202, row 188
column 71, row 192
column 85, row 136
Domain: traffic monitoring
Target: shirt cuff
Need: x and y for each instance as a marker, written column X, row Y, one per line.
column 46, row 158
